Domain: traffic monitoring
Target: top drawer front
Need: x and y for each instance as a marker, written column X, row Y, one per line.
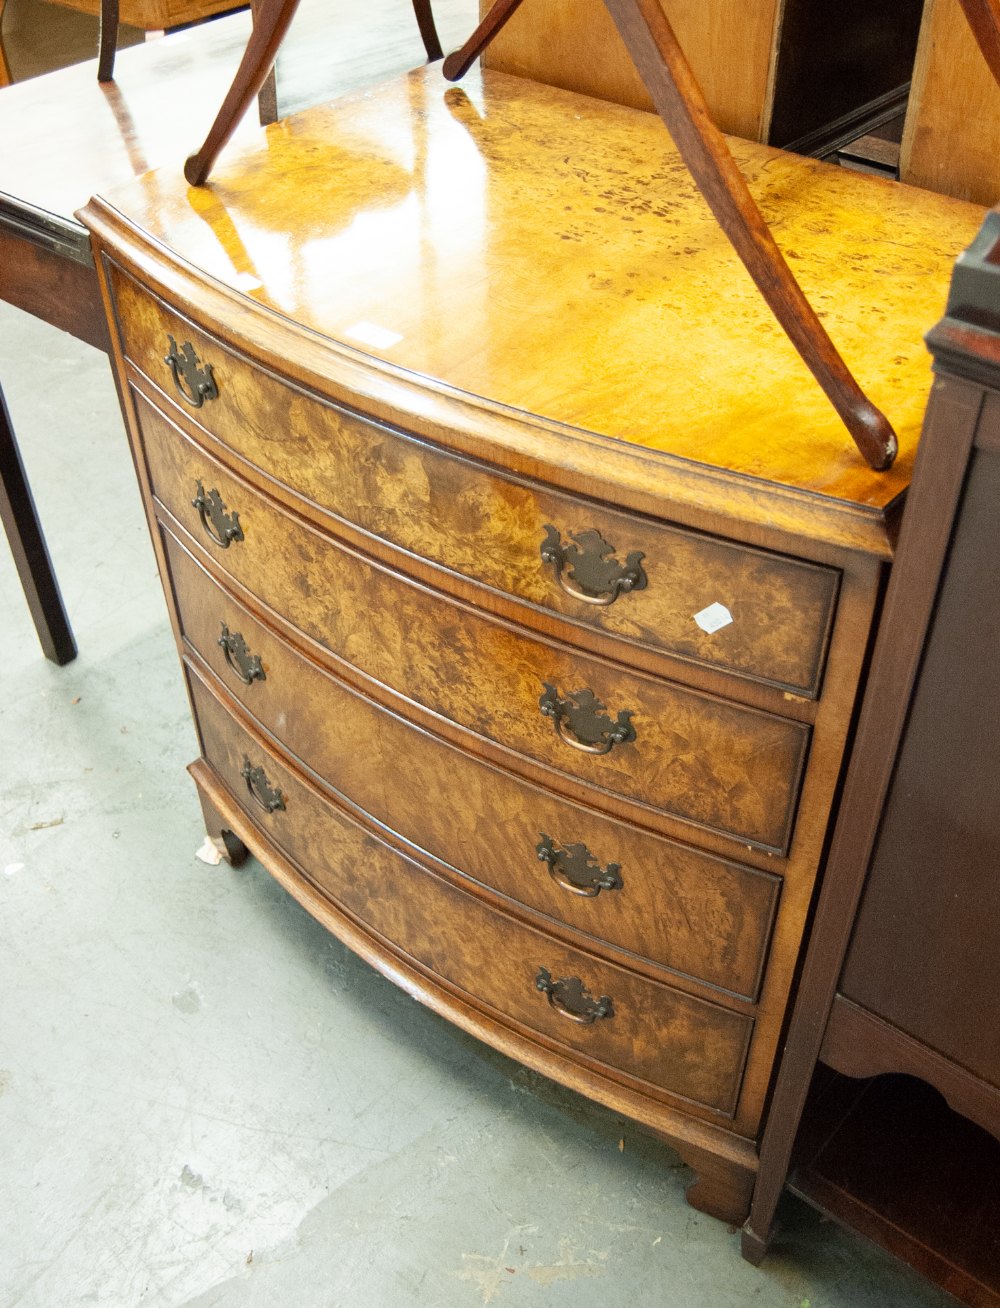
column 629, row 576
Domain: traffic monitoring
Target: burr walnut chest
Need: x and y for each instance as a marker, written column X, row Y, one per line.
column 521, row 574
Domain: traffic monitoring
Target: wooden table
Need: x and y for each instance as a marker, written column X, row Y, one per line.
column 66, row 137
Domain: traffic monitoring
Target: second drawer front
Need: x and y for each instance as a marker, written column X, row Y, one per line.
column 492, row 528
column 695, row 914
column 669, row 1040
column 702, row 759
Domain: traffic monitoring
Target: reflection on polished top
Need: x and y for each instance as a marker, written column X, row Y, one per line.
column 550, row 253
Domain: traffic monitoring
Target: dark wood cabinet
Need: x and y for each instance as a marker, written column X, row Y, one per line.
column 901, row 974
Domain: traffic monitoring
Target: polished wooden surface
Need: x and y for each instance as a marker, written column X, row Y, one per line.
column 681, row 104
column 466, row 517
column 66, row 137
column 497, row 255
column 952, row 138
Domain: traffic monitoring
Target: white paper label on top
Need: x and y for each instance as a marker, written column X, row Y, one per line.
column 370, row 333
column 714, row 618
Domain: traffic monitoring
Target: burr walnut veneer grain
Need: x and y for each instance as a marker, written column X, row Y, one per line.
column 457, row 423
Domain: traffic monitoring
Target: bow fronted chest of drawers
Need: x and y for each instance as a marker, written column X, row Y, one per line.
column 522, row 577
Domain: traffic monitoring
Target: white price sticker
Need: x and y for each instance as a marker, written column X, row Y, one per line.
column 714, row 618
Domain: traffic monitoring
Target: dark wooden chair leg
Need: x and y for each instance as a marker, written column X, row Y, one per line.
column 31, row 557
column 107, row 41
column 458, row 63
column 428, row 31
column 271, row 20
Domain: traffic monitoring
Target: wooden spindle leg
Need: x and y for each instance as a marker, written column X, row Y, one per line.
column 428, row 31
column 107, row 41
column 499, row 14
column 31, row 556
column 272, row 18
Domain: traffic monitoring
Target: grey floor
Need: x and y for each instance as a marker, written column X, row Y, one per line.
column 204, row 1099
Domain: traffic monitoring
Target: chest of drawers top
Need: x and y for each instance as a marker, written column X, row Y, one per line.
column 528, row 276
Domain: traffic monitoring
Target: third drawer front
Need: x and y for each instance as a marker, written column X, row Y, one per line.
column 635, row 578
column 662, row 1037
column 704, row 760
column 701, row 916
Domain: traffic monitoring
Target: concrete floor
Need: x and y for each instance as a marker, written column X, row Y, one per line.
column 207, row 1101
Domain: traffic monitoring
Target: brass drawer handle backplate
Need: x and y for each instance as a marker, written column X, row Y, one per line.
column 260, row 790
column 594, row 575
column 576, row 869
column 221, row 527
column 194, row 383
column 247, row 667
column 581, row 721
column 570, row 998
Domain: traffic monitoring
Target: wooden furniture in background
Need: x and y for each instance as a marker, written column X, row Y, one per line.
column 901, row 972
column 157, row 15
column 66, row 136
column 952, row 138
column 775, row 70
column 522, row 576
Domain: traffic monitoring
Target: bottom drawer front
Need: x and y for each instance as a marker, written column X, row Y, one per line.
column 672, row 1041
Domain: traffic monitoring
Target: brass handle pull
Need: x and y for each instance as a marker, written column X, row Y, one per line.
column 260, row 790
column 247, row 667
column 570, row 998
column 221, row 527
column 587, row 568
column 576, row 869
column 194, row 383
column 581, row 721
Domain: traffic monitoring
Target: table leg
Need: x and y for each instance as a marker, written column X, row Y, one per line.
column 31, row 557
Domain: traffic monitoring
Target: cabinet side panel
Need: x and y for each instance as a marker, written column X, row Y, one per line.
column 933, row 896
